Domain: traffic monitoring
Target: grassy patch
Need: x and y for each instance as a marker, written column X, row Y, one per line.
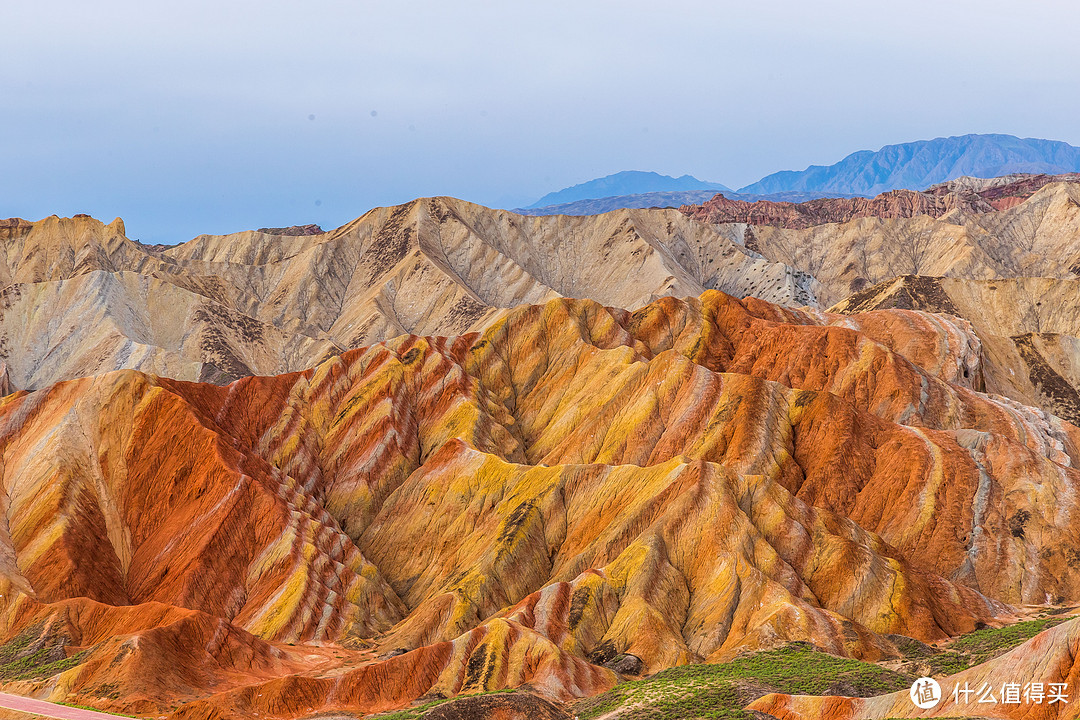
column 977, row 647
column 719, row 692
column 30, row 656
column 39, row 665
column 982, row 645
column 18, row 645
column 416, row 711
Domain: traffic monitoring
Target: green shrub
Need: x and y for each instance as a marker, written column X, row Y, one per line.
column 720, row 691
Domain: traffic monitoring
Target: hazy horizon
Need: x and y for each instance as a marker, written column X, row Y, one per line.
column 214, row 118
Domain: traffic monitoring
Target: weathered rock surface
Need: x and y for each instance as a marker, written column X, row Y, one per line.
column 1029, row 329
column 1011, row 273
column 967, row 194
column 1005, row 191
column 293, row 230
column 1036, row 238
column 797, row 216
column 80, row 299
column 522, row 505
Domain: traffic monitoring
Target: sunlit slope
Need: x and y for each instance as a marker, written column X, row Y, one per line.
column 1029, row 328
column 79, row 298
column 522, row 504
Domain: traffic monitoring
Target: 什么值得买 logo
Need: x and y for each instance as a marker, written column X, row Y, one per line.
column 926, row 693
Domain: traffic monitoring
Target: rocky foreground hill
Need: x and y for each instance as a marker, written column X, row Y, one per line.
column 1001, row 253
column 522, row 505
column 291, row 475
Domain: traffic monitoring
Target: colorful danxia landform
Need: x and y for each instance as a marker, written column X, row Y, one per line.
column 446, row 450
column 438, row 515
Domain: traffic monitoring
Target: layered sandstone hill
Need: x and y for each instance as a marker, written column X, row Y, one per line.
column 521, row 505
column 1029, row 328
column 81, row 299
column 1036, row 238
column 1003, row 192
column 893, row 204
column 1002, row 253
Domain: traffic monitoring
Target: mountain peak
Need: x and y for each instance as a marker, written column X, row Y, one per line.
column 920, row 164
column 627, row 182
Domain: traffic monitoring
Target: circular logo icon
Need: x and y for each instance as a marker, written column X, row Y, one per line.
column 925, row 693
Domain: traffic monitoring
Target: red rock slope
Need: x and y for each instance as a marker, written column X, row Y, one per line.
column 971, row 195
column 517, row 506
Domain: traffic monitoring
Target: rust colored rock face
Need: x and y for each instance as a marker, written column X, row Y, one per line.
column 893, row 204
column 1028, row 327
column 970, row 195
column 519, row 506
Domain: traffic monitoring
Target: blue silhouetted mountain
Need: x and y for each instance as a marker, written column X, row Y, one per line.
column 918, row 165
column 628, row 182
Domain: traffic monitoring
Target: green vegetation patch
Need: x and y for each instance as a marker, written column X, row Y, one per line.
column 719, row 692
column 983, row 645
column 34, row 654
column 977, row 647
column 39, row 664
column 416, row 711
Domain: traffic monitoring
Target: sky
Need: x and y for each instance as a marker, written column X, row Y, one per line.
column 198, row 117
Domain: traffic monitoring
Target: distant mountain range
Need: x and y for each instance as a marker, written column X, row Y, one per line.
column 910, row 166
column 676, row 199
column 918, row 165
column 628, row 182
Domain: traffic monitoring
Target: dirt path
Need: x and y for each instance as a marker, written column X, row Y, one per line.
column 52, row 710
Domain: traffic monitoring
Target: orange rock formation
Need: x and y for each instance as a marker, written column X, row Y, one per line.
column 433, row 516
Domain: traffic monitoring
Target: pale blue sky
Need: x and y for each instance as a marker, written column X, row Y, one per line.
column 196, row 116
